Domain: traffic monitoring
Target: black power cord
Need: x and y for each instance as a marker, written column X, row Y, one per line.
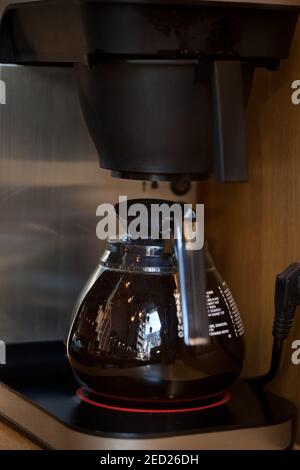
column 287, row 298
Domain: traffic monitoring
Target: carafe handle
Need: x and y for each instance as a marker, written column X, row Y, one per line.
column 192, row 285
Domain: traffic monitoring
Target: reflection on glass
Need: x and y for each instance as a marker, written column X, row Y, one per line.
column 148, row 334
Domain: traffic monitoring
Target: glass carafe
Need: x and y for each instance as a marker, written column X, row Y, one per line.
column 126, row 339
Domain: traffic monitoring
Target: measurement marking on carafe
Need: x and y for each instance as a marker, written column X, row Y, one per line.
column 217, row 333
column 232, row 309
column 222, row 292
column 215, row 310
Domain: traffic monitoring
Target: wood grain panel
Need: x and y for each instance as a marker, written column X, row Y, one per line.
column 254, row 228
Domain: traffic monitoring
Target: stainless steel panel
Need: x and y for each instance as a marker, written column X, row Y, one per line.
column 48, row 196
column 50, row 186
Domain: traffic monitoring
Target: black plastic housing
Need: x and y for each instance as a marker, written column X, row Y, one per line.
column 166, row 118
column 163, row 85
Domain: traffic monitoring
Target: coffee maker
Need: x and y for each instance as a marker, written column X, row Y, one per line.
column 163, row 88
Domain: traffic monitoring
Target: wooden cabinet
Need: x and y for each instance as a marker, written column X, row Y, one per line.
column 254, row 228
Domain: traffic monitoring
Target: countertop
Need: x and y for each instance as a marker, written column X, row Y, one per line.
column 13, row 440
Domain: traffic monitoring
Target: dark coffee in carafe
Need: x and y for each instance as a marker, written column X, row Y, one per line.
column 126, row 339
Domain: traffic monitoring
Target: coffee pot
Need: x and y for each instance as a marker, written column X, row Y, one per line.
column 140, row 331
